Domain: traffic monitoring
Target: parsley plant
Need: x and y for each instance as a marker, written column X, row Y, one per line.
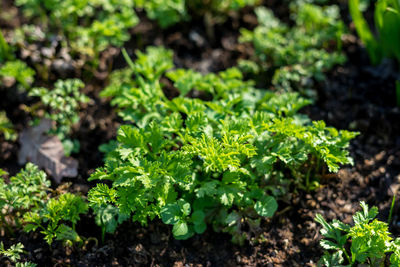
column 370, row 241
column 220, row 153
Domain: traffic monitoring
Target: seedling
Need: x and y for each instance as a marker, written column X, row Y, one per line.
column 63, row 100
column 294, row 57
column 19, row 71
column 6, row 127
column 370, row 241
column 14, row 255
column 52, row 218
column 25, row 192
column 25, row 200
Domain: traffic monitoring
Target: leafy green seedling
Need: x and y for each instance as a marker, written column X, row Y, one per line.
column 63, row 100
column 293, row 57
column 19, row 71
column 26, row 191
column 6, row 127
column 52, row 218
column 370, row 241
column 14, row 255
column 107, row 216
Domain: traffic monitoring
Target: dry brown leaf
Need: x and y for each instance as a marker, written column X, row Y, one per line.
column 46, row 151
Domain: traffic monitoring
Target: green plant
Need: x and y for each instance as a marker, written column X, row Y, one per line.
column 63, row 100
column 12, row 68
column 370, row 241
column 107, row 216
column 220, row 159
column 387, row 23
column 293, row 57
column 166, row 13
column 26, row 191
column 6, row 127
column 14, row 254
column 170, row 12
column 52, row 218
column 4, row 49
column 25, row 200
column 19, row 71
column 88, row 27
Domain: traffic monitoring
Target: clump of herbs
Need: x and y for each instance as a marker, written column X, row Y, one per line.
column 221, row 159
column 26, row 201
column 52, row 219
column 26, row 191
column 295, row 56
column 370, row 239
column 86, row 27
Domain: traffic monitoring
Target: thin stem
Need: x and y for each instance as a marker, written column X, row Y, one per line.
column 347, row 256
column 128, row 59
column 391, row 209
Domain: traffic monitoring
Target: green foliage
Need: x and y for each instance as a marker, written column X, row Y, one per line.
column 25, row 200
column 107, row 216
column 295, row 56
column 4, row 49
column 12, row 68
column 14, row 254
column 6, row 127
column 387, row 24
column 167, row 13
column 89, row 26
column 26, row 191
column 52, row 218
column 19, row 71
column 221, row 159
column 170, row 12
column 370, row 240
column 63, row 101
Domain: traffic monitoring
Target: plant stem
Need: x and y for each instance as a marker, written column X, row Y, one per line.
column 391, row 209
column 128, row 59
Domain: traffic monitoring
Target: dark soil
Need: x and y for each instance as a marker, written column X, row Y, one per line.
column 355, row 96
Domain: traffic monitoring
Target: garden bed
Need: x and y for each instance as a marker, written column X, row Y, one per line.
column 355, row 96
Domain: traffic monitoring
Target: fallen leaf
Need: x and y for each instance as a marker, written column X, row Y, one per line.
column 46, row 151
